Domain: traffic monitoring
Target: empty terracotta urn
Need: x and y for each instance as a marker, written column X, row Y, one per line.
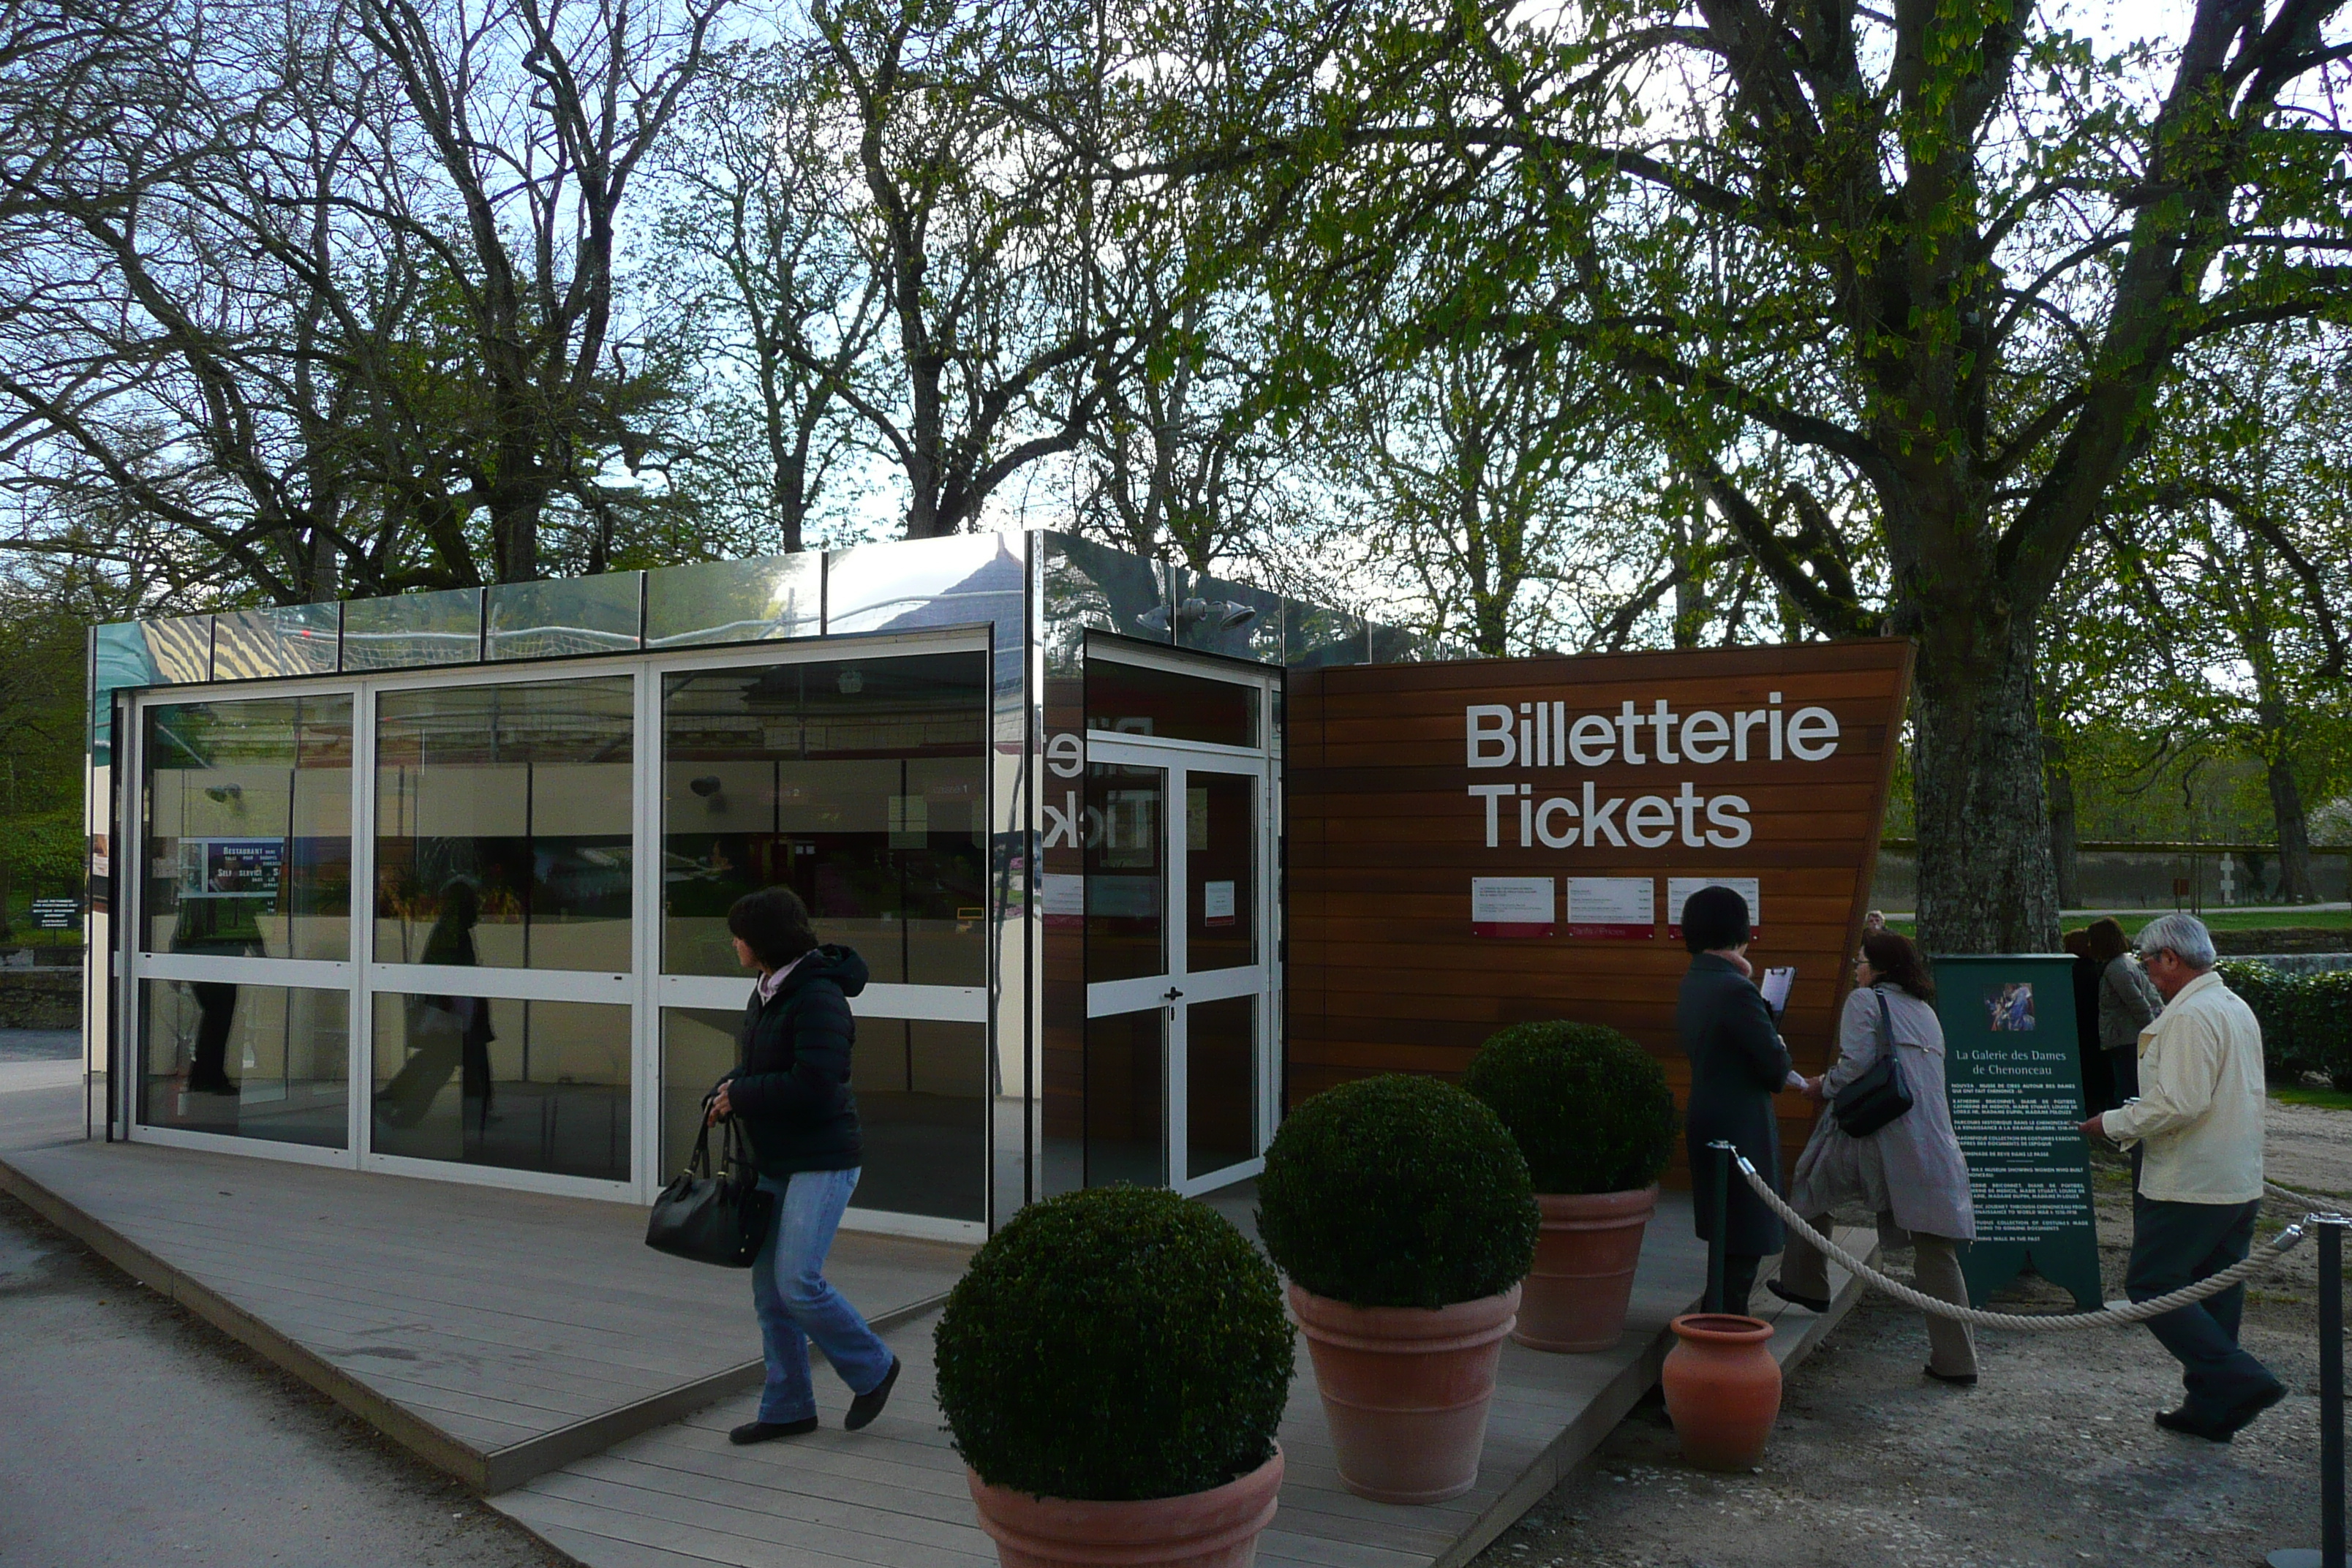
column 1405, row 1390
column 1723, row 1389
column 1215, row 1529
column 1582, row 1281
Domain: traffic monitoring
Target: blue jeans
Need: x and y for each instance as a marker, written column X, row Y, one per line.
column 2175, row 1244
column 795, row 1304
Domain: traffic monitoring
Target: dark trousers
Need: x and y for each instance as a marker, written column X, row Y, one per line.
column 2123, row 1068
column 216, row 1012
column 1738, row 1280
column 2175, row 1244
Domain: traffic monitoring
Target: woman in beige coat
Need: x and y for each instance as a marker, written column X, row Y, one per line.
column 1909, row 1175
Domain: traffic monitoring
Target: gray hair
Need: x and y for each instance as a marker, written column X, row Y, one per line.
column 2183, row 936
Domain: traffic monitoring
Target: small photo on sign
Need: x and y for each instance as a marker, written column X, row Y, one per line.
column 2011, row 1005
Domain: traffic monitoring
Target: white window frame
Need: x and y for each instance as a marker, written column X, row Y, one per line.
column 643, row 988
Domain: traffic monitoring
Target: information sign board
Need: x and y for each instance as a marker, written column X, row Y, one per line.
column 57, row 914
column 2014, row 1070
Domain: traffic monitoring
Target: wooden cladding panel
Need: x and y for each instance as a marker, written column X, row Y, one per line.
column 1383, row 839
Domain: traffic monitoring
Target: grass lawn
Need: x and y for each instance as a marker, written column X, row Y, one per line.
column 2324, row 1099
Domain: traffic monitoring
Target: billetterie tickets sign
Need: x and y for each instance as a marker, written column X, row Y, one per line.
column 1544, row 743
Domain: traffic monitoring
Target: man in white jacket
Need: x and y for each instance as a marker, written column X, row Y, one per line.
column 2198, row 1124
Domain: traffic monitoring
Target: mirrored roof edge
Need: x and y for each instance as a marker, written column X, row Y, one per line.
column 885, row 584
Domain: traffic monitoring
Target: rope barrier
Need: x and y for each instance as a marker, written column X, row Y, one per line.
column 2106, row 1318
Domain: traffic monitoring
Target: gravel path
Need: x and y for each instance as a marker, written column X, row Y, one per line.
column 2050, row 1462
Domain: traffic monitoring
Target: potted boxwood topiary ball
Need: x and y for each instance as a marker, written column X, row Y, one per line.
column 1590, row 1111
column 1113, row 1367
column 1401, row 1209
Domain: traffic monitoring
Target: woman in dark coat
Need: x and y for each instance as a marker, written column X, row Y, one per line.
column 791, row 1091
column 1737, row 1063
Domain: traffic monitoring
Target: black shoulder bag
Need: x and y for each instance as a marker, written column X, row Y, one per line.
column 721, row 1219
column 1877, row 1097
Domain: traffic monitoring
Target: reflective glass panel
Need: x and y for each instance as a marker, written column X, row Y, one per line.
column 483, row 1081
column 1229, row 618
column 1088, row 585
column 735, row 601
column 248, row 828
column 1126, row 839
column 1135, row 699
column 179, row 652
column 246, row 1061
column 1220, row 870
column 859, row 783
column 1221, row 1089
column 1126, row 1098
column 414, row 630
column 922, row 1102
column 282, row 640
column 922, row 1107
column 573, row 615
column 1314, row 637
column 503, row 823
column 918, row 584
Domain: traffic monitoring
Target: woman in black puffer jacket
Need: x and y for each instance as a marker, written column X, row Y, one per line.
column 790, row 1089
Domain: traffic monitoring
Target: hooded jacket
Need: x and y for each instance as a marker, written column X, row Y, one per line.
column 791, row 1085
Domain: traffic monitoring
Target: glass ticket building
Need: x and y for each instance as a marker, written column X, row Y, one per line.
column 437, row 884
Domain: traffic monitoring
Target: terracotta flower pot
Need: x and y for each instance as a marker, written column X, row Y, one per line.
column 1582, row 1280
column 1405, row 1390
column 1215, row 1529
column 1723, row 1389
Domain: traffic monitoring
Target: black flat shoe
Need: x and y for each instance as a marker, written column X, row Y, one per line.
column 1810, row 1303
column 867, row 1406
column 2189, row 1426
column 768, row 1431
column 2245, row 1411
column 1957, row 1379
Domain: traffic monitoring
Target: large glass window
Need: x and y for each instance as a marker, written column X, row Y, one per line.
column 1137, row 700
column 857, row 782
column 922, row 1105
column 248, row 1061
column 248, row 828
column 503, row 824
column 491, row 1081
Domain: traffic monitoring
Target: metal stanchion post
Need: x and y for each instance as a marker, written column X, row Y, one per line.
column 1723, row 1153
column 2330, row 1554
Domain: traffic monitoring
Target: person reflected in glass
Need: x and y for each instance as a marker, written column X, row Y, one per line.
column 789, row 1092
column 1909, row 1176
column 446, row 1034
column 1739, row 1062
column 215, row 915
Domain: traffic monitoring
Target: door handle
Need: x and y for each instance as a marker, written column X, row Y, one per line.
column 1172, row 994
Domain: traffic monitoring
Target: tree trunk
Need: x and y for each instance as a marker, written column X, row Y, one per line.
column 1986, row 882
column 2064, row 859
column 2296, row 883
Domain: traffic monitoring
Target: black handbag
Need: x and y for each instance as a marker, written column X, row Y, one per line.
column 1877, row 1097
column 722, row 1218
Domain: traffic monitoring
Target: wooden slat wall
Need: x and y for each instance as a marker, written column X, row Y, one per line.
column 1383, row 973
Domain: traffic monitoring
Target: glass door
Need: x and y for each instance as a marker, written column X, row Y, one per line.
column 1177, row 1054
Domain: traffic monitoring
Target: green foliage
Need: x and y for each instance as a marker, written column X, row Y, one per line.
column 2307, row 1019
column 1115, row 1343
column 1587, row 1106
column 2272, row 996
column 1398, row 1191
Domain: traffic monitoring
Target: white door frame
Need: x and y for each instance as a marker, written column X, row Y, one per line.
column 1261, row 979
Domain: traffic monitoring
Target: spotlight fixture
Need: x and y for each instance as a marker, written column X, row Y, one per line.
column 224, row 793
column 707, row 786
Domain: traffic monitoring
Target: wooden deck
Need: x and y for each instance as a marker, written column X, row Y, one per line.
column 496, row 1333
column 533, row 1347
